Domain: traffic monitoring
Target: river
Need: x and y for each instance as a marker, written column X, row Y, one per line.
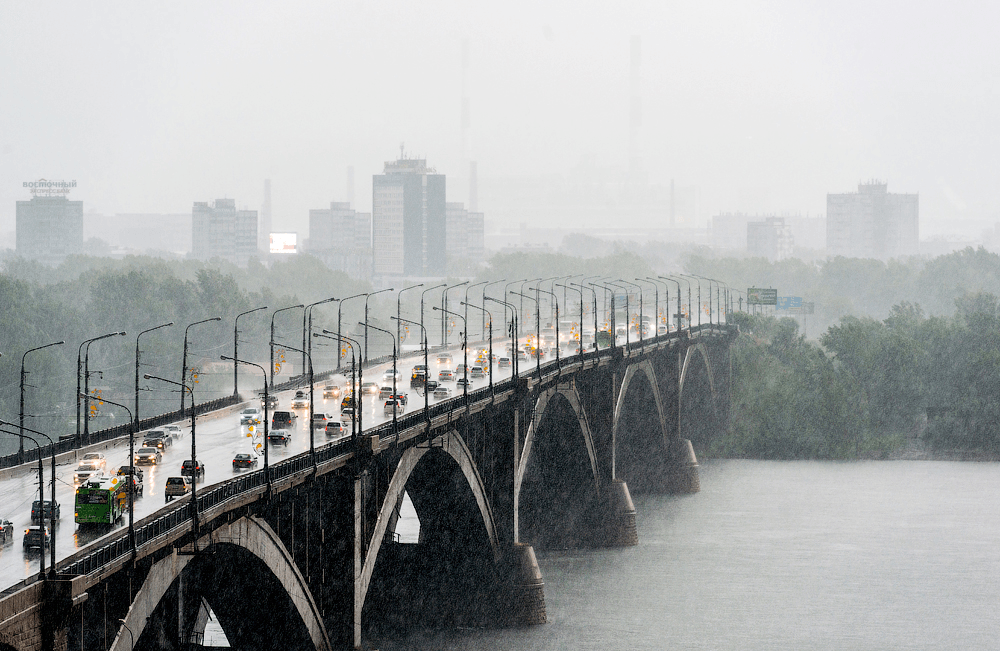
column 781, row 555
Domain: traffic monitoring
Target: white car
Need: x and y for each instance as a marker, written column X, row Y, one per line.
column 94, row 459
column 300, row 401
column 173, row 430
column 250, row 416
column 442, row 392
column 87, row 472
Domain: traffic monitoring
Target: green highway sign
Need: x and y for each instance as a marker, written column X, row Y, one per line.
column 761, row 296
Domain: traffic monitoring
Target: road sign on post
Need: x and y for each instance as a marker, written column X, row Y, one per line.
column 762, row 296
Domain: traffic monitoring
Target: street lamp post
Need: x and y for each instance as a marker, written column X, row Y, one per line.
column 274, row 314
column 612, row 326
column 512, row 330
column 486, row 313
column 184, row 362
column 422, row 306
column 465, row 351
column 24, row 374
column 638, row 325
column 194, row 456
column 395, row 393
column 41, row 496
column 699, row 294
column 312, row 402
column 594, row 292
column 427, row 368
column 444, row 306
column 131, row 638
column 538, row 330
column 340, row 309
column 467, row 288
column 236, row 348
column 357, row 419
column 80, row 365
column 666, row 300
column 565, row 287
column 387, row 289
column 485, row 287
column 307, row 327
column 41, row 502
column 506, row 292
column 678, row 315
column 135, row 411
column 555, row 299
column 131, row 475
column 399, row 296
column 267, row 415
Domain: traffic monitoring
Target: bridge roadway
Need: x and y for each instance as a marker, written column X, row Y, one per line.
column 219, row 437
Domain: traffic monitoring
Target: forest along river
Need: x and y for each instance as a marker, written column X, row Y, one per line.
column 782, row 555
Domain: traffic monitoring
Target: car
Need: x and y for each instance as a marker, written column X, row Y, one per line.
column 86, row 472
column 94, row 459
column 331, row 391
column 176, row 487
column 335, row 428
column 271, row 401
column 461, row 370
column 247, row 461
column 173, row 430
column 147, row 455
column 401, row 397
column 419, row 368
column 389, row 374
column 6, row 530
column 369, row 388
column 431, row 385
column 444, row 358
column 347, row 403
column 282, row 419
column 503, row 362
column 250, row 416
column 462, row 382
column 392, row 406
column 347, row 415
column 442, row 392
column 37, row 536
column 384, row 392
column 477, row 372
column 446, row 375
column 300, row 401
column 44, row 510
column 320, row 420
column 192, row 468
column 159, row 438
column 136, row 475
column 522, row 356
column 282, row 436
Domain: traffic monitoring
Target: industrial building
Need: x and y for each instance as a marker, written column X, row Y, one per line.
column 221, row 231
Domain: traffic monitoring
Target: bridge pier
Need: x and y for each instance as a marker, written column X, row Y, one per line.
column 614, row 523
column 681, row 475
column 523, row 591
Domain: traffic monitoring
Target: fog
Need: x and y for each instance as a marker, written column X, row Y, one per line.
column 755, row 106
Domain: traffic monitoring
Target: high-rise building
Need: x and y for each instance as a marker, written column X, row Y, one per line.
column 408, row 221
column 465, row 239
column 770, row 238
column 222, row 231
column 872, row 223
column 342, row 239
column 49, row 226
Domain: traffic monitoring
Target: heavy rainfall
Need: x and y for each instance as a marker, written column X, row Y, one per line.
column 543, row 326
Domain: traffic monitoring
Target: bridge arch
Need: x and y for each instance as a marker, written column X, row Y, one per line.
column 697, row 369
column 646, row 368
column 246, row 537
column 531, row 466
column 641, row 448
column 437, row 455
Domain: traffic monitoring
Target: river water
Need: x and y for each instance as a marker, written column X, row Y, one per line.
column 782, row 555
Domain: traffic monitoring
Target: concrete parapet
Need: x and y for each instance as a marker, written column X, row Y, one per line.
column 682, row 468
column 523, row 588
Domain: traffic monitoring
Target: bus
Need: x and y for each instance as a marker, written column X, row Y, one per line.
column 604, row 339
column 101, row 501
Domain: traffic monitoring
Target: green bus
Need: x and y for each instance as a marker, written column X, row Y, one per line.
column 101, row 501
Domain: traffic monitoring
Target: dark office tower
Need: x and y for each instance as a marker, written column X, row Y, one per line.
column 408, row 220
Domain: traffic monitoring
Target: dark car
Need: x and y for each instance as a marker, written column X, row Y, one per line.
column 282, row 419
column 6, row 531
column 137, row 477
column 37, row 510
column 248, row 461
column 158, row 442
column 272, row 401
column 192, row 468
column 431, row 385
column 282, row 436
column 37, row 536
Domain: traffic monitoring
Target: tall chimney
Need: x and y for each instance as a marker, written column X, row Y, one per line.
column 473, row 187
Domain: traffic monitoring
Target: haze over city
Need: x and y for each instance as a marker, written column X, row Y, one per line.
column 756, row 107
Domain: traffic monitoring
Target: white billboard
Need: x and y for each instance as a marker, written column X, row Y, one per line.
column 283, row 243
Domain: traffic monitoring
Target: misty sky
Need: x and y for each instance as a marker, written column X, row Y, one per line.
column 760, row 105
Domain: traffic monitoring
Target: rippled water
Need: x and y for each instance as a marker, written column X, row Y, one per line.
column 782, row 555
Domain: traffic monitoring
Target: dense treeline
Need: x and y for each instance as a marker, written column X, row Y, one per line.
column 868, row 384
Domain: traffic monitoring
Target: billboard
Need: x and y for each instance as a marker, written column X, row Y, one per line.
column 283, row 243
column 760, row 296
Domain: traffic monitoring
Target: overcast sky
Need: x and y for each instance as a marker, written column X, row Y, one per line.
column 760, row 105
